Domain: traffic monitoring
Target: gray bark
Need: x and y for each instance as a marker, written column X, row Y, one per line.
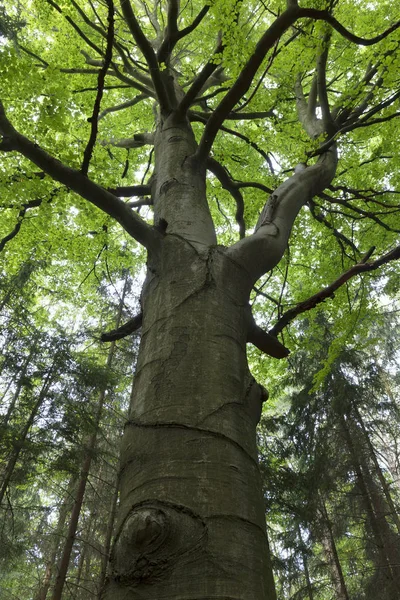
column 191, row 522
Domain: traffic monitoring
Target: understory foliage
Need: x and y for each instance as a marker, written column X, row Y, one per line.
column 270, row 89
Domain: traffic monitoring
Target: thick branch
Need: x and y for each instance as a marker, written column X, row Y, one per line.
column 137, row 141
column 127, row 329
column 76, row 181
column 122, row 106
column 195, row 116
column 306, row 110
column 261, row 251
column 324, row 15
column 328, row 123
column 329, row 291
column 132, row 190
column 235, row 116
column 263, row 340
column 198, row 83
column 245, row 78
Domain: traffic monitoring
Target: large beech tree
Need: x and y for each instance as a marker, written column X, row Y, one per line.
column 232, row 115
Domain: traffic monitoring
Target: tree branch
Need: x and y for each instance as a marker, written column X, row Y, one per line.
column 173, row 37
column 245, row 78
column 324, row 15
column 264, row 341
column 261, row 251
column 199, row 82
column 329, row 291
column 137, row 141
column 76, row 181
column 266, row 42
column 329, row 126
column 322, row 219
column 122, row 106
column 75, row 26
column 228, row 184
column 21, row 214
column 123, row 331
column 87, row 155
column 148, row 52
column 195, row 116
column 132, row 190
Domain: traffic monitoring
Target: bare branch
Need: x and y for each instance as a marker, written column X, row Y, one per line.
column 266, row 42
column 195, row 116
column 324, row 15
column 329, row 126
column 230, row 185
column 137, row 141
column 76, row 181
column 172, row 38
column 338, row 234
column 264, row 341
column 21, row 214
column 122, row 106
column 245, row 78
column 87, row 155
column 148, row 52
column 197, row 85
column 306, row 111
column 44, row 64
column 75, row 26
column 328, row 292
column 236, row 116
column 127, row 329
column 132, row 190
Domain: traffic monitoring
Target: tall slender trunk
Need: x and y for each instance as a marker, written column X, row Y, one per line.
column 18, row 388
column 387, row 557
column 331, row 554
column 107, row 541
column 24, row 433
column 52, row 557
column 305, row 565
column 384, row 485
column 84, row 474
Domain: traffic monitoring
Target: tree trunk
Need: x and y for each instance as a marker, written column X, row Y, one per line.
column 384, row 485
column 19, row 386
column 23, row 435
column 331, row 554
column 386, row 558
column 107, row 542
column 305, row 565
column 191, row 523
column 50, row 563
column 80, row 492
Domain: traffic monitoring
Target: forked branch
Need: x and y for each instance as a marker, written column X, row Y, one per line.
column 148, row 52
